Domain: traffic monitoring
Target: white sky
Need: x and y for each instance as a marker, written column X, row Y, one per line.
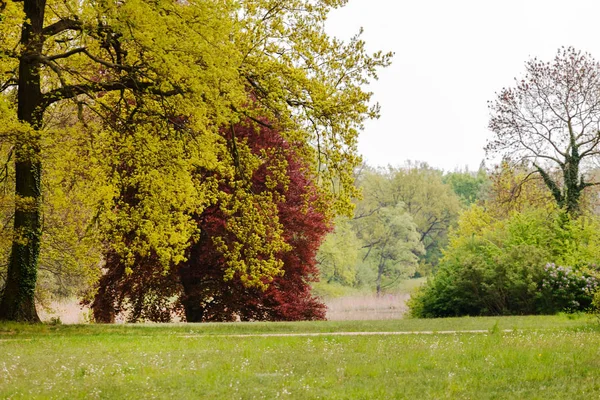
column 451, row 57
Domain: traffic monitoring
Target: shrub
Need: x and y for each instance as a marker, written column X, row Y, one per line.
column 502, row 267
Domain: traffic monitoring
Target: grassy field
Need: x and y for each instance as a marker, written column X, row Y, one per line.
column 540, row 358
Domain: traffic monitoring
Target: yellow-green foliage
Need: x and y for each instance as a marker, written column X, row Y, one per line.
column 138, row 147
column 340, row 254
column 71, row 252
column 514, row 188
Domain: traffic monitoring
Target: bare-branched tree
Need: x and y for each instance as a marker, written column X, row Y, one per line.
column 551, row 118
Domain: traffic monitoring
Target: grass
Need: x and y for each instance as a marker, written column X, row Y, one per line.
column 543, row 358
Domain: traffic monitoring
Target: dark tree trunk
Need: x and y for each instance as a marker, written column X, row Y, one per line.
column 192, row 298
column 379, row 278
column 572, row 188
column 17, row 303
column 103, row 307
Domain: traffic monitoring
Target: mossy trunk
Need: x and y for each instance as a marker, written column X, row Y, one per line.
column 567, row 196
column 18, row 296
column 18, row 301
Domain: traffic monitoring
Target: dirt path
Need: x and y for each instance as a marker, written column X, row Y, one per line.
column 309, row 334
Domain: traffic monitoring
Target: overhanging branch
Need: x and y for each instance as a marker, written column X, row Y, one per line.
column 62, row 26
column 71, row 91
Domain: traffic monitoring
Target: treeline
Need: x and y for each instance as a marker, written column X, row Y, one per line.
column 400, row 225
column 491, row 242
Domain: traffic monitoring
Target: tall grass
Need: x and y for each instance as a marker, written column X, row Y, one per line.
column 363, row 305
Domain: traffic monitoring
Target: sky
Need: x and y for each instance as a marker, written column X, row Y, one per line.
column 451, row 57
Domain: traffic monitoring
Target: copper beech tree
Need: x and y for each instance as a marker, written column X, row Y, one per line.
column 551, row 119
column 204, row 287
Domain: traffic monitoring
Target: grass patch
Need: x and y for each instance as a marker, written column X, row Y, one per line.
column 545, row 358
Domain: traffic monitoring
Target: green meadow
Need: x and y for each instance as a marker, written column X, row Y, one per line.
column 550, row 357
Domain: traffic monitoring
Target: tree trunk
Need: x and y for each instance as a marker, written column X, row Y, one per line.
column 18, row 302
column 103, row 306
column 573, row 183
column 18, row 297
column 379, row 277
column 192, row 295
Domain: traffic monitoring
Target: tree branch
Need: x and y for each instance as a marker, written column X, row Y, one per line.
column 62, row 26
column 551, row 185
column 68, row 92
column 83, row 50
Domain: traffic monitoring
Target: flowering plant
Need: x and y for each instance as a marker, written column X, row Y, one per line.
column 565, row 288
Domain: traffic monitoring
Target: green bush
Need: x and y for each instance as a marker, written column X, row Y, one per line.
column 502, row 267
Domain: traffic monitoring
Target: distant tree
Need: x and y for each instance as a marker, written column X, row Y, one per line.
column 391, row 244
column 468, row 186
column 389, row 237
column 339, row 255
column 432, row 204
column 551, row 118
column 205, row 286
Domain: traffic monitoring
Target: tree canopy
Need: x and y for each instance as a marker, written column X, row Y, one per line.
column 167, row 77
column 551, row 118
column 206, row 285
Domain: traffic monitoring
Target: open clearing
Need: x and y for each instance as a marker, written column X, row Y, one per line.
column 490, row 358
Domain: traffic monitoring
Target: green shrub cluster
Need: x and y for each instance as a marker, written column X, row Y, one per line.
column 534, row 262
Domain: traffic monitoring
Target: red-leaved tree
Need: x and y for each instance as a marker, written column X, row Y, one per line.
column 202, row 288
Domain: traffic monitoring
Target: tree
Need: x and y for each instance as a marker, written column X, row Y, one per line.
column 78, row 52
column 468, row 186
column 206, row 287
column 432, row 204
column 387, row 232
column 551, row 119
column 157, row 62
column 339, row 255
column 391, row 244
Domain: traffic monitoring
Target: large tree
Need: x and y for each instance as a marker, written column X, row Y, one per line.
column 53, row 51
column 156, row 61
column 551, row 118
column 205, row 287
